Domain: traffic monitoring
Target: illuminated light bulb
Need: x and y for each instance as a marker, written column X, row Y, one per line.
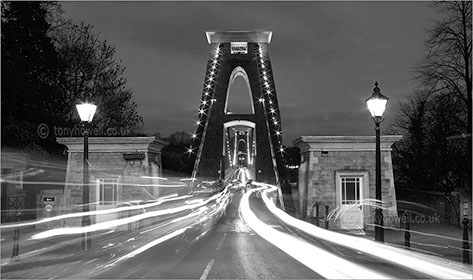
column 213, row 100
column 265, row 78
column 278, row 133
column 206, row 93
column 197, row 122
column 261, row 100
column 281, row 149
column 208, row 86
column 194, row 135
column 212, row 73
column 213, row 66
column 201, row 111
column 266, row 84
column 272, row 111
column 189, row 150
column 275, row 122
column 211, row 79
column 262, row 66
column 264, row 72
column 270, row 102
column 205, row 102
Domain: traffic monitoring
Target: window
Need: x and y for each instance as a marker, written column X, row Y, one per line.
column 107, row 191
column 350, row 189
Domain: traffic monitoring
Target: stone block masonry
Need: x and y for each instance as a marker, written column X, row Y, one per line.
column 332, row 164
column 120, row 170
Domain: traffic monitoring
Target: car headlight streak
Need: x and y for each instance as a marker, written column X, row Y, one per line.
column 425, row 264
column 322, row 262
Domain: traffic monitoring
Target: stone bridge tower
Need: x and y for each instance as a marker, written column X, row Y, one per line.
column 234, row 54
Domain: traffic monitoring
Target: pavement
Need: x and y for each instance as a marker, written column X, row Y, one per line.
column 439, row 239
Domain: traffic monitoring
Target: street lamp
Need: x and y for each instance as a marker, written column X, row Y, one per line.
column 86, row 114
column 376, row 105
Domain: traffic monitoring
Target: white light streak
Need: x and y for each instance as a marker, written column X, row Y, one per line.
column 149, row 245
column 97, row 212
column 318, row 260
column 122, row 221
column 188, row 179
column 428, row 265
column 154, row 177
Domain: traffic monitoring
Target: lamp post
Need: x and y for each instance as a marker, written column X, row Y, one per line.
column 376, row 105
column 86, row 114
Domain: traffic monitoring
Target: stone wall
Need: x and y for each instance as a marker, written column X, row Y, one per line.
column 131, row 161
column 323, row 157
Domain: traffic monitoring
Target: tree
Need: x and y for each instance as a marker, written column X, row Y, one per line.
column 431, row 155
column 175, row 156
column 92, row 73
column 446, row 67
column 49, row 65
column 30, row 67
column 409, row 153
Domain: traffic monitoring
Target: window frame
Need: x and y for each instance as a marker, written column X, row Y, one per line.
column 101, row 183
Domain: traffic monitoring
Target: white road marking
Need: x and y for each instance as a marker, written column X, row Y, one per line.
column 207, row 269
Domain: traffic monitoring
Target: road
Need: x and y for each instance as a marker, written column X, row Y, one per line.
column 226, row 248
column 230, row 250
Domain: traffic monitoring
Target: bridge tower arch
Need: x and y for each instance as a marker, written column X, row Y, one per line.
column 234, row 54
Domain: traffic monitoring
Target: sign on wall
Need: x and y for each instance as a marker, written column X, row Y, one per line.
column 239, row 48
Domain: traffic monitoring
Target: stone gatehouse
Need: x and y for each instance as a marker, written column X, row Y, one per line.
column 339, row 171
column 121, row 169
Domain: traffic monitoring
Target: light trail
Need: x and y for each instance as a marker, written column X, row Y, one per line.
column 434, row 267
column 154, row 177
column 96, row 212
column 188, row 179
column 320, row 261
column 178, row 232
column 122, row 221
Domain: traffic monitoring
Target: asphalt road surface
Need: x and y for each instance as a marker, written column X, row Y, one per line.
column 212, row 249
column 231, row 250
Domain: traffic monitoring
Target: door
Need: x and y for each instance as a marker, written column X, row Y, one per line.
column 351, row 191
column 107, row 198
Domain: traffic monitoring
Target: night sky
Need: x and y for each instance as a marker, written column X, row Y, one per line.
column 326, row 57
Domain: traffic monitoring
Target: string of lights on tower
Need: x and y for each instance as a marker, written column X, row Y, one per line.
column 206, row 102
column 268, row 101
